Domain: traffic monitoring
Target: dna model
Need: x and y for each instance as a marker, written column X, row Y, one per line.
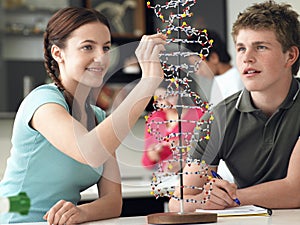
column 180, row 66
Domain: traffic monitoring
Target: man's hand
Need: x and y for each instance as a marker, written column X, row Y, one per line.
column 219, row 194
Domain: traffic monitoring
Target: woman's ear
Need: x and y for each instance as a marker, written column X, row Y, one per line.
column 293, row 55
column 56, row 53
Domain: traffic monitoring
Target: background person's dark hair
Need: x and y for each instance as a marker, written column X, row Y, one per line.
column 218, row 46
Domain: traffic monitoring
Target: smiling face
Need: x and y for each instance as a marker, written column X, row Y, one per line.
column 261, row 61
column 85, row 58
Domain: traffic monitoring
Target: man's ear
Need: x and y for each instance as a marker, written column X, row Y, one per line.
column 56, row 53
column 293, row 55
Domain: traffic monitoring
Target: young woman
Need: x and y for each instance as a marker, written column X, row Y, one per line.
column 61, row 144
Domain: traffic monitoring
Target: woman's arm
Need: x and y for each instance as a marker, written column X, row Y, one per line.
column 108, row 205
column 96, row 146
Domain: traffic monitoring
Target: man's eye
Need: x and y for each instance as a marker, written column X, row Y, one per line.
column 240, row 49
column 261, row 47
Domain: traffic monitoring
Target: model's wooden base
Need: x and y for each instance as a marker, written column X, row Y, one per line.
column 184, row 218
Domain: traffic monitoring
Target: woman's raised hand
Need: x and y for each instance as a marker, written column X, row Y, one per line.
column 148, row 54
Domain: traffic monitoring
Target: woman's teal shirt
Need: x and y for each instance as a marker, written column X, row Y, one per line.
column 38, row 168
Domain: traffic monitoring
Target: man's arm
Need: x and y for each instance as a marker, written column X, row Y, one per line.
column 190, row 180
column 283, row 193
column 215, row 193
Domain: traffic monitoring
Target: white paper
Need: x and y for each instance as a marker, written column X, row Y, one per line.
column 239, row 211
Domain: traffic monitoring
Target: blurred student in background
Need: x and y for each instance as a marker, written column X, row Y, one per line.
column 156, row 151
column 227, row 79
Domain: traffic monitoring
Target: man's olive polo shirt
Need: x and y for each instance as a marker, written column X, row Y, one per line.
column 256, row 148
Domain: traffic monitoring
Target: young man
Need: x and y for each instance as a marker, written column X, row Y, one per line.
column 255, row 131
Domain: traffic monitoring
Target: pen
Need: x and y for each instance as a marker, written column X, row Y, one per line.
column 216, row 175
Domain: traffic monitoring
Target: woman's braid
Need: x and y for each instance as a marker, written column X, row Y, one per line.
column 50, row 64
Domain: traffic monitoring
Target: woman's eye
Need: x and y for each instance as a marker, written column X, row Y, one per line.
column 87, row 47
column 106, row 48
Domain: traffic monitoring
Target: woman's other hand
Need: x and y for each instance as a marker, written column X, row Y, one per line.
column 64, row 212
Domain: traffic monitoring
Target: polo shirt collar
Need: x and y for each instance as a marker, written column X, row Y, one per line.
column 244, row 102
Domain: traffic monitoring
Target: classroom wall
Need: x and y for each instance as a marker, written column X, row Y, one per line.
column 129, row 152
column 5, row 145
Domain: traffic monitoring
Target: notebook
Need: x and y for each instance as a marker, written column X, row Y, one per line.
column 246, row 210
